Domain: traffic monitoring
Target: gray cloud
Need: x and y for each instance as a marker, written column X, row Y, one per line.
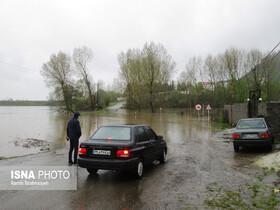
column 32, row 30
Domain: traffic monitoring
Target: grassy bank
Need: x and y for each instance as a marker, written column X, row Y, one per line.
column 28, row 103
column 250, row 196
column 221, row 126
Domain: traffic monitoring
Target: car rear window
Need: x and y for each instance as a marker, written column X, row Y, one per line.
column 113, row 133
column 250, row 124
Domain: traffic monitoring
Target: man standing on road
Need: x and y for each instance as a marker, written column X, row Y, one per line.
column 73, row 135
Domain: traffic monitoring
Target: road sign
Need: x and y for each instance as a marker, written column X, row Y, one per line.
column 208, row 107
column 198, row 107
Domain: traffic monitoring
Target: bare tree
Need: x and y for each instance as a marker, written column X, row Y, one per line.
column 57, row 73
column 211, row 69
column 268, row 76
column 253, row 59
column 81, row 57
column 192, row 70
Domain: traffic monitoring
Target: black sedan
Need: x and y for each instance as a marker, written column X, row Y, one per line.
column 122, row 147
column 253, row 132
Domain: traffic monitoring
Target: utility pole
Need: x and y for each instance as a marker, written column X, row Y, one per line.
column 97, row 97
column 230, row 104
column 190, row 98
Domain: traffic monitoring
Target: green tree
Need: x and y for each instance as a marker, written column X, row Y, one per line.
column 57, row 73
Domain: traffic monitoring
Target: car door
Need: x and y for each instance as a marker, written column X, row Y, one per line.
column 143, row 141
column 157, row 150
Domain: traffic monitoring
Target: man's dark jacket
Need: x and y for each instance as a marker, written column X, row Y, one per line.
column 74, row 129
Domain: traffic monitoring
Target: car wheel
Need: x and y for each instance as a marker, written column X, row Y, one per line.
column 163, row 157
column 139, row 170
column 236, row 148
column 269, row 147
column 272, row 140
column 92, row 170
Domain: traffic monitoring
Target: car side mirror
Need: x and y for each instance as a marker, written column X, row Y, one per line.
column 160, row 137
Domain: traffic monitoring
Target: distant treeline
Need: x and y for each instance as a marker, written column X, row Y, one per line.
column 229, row 77
column 29, row 103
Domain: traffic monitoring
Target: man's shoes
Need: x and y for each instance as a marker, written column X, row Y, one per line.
column 70, row 163
column 75, row 163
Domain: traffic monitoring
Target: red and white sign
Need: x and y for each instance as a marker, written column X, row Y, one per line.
column 198, row 107
column 208, row 107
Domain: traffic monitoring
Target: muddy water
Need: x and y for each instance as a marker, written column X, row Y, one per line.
column 45, row 124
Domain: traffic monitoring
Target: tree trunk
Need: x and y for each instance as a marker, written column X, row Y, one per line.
column 91, row 98
column 67, row 98
column 151, row 101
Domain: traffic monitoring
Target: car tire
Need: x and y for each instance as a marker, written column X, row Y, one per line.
column 92, row 170
column 236, row 147
column 269, row 147
column 163, row 157
column 139, row 169
column 273, row 140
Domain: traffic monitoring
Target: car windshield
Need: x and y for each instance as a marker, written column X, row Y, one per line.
column 113, row 133
column 249, row 124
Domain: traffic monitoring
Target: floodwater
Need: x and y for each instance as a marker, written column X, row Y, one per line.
column 197, row 157
column 43, row 123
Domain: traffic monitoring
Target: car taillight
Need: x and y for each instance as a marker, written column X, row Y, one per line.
column 123, row 153
column 265, row 135
column 236, row 136
column 82, row 151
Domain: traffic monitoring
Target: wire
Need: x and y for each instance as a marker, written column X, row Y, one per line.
column 270, row 53
column 19, row 68
column 255, row 67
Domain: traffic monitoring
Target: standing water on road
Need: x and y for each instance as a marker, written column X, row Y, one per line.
column 201, row 164
column 44, row 123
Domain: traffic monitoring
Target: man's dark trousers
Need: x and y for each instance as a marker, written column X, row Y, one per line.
column 74, row 144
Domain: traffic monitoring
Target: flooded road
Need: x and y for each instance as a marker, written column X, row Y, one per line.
column 197, row 157
column 44, row 123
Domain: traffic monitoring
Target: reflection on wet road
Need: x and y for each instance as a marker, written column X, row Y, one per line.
column 196, row 157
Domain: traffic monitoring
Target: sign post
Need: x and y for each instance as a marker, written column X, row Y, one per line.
column 208, row 108
column 198, row 108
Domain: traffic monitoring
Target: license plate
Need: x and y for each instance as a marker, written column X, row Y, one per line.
column 250, row 136
column 101, row 152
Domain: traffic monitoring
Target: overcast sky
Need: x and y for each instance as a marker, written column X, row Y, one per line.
column 33, row 30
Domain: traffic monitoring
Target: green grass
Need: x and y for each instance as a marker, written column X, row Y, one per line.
column 265, row 172
column 260, row 195
column 276, row 141
column 113, row 103
column 221, row 126
column 28, row 103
